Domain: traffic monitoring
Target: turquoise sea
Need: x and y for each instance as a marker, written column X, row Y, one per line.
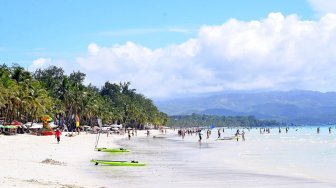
column 299, row 158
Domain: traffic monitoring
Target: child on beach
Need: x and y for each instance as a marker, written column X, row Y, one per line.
column 58, row 135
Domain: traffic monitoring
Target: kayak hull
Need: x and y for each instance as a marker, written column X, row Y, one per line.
column 117, row 163
column 112, row 150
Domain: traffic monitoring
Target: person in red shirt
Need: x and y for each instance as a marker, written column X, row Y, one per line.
column 58, row 135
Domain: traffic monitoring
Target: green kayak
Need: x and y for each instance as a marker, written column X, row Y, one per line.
column 112, row 150
column 117, row 163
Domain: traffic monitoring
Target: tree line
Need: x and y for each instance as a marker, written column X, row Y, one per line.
column 198, row 120
column 26, row 96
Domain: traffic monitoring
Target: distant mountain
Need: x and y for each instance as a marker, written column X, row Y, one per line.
column 298, row 106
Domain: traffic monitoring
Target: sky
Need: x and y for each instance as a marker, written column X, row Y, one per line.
column 174, row 48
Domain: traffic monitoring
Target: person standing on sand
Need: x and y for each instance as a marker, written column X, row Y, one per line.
column 77, row 124
column 58, row 135
column 219, row 134
column 243, row 135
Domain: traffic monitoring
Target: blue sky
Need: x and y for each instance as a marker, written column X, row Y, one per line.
column 81, row 34
column 63, row 29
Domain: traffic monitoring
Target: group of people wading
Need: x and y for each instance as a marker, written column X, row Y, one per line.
column 190, row 131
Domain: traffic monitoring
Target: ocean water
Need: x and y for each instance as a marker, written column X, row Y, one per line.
column 299, row 158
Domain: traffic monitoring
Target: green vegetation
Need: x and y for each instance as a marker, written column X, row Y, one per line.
column 196, row 120
column 27, row 96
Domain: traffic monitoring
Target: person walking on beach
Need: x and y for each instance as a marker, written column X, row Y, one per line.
column 129, row 134
column 237, row 135
column 58, row 135
column 200, row 136
column 243, row 135
column 219, row 134
column 147, row 133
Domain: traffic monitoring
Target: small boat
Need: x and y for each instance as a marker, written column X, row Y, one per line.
column 117, row 163
column 112, row 149
column 226, row 138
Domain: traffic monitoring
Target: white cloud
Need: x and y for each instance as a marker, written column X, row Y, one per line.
column 277, row 52
column 93, row 49
column 40, row 63
column 323, row 6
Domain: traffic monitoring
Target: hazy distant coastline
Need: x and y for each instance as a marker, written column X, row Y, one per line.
column 297, row 106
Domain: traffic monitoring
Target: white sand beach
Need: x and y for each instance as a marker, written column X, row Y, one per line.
column 38, row 161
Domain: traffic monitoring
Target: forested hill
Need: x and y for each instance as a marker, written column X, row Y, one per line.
column 298, row 107
column 196, row 120
column 26, row 96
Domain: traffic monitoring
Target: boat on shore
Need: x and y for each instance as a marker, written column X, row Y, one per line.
column 117, row 163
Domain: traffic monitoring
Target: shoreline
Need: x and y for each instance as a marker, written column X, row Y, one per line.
column 38, row 161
